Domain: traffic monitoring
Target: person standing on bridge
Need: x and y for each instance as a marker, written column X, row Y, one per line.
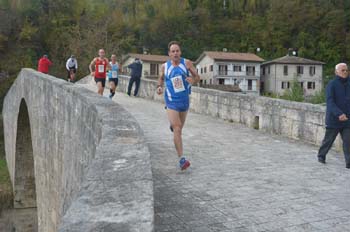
column 100, row 65
column 44, row 64
column 337, row 114
column 175, row 72
column 113, row 75
column 136, row 73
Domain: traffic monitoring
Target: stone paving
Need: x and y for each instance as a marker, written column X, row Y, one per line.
column 241, row 179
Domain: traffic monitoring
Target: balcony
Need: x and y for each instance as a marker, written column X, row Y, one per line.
column 233, row 74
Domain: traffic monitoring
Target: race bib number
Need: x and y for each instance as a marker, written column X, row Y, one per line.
column 114, row 74
column 101, row 68
column 178, row 84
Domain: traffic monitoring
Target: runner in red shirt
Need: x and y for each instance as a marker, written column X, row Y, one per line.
column 100, row 65
column 43, row 64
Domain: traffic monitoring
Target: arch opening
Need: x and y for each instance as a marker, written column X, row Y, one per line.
column 24, row 178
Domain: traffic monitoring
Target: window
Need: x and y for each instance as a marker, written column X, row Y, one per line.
column 300, row 70
column 205, row 69
column 263, row 70
column 201, row 70
column 312, row 70
column 250, row 70
column 268, row 70
column 285, row 85
column 310, row 85
column 285, row 70
column 302, row 85
column 237, row 68
column 221, row 81
column 154, row 69
column 223, row 70
column 205, row 82
column 250, row 84
column 211, row 68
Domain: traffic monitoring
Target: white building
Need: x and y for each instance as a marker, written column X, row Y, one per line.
column 277, row 75
column 151, row 64
column 227, row 68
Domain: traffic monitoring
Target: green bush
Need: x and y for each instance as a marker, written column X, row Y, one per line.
column 5, row 183
column 295, row 93
column 271, row 95
column 318, row 98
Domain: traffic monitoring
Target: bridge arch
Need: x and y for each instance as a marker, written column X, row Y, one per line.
column 24, row 181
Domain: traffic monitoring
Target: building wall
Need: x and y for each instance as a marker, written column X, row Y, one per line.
column 208, row 76
column 212, row 77
column 273, row 81
column 270, row 83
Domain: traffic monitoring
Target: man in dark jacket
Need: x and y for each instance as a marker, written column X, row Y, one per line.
column 337, row 114
column 136, row 72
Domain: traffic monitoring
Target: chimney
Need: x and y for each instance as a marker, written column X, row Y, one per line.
column 292, row 52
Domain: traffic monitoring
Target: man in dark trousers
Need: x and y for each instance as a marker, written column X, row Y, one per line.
column 337, row 114
column 136, row 71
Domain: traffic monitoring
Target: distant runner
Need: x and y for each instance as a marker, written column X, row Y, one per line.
column 175, row 72
column 113, row 75
column 72, row 67
column 98, row 69
column 44, row 64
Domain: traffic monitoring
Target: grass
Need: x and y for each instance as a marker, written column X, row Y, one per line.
column 6, row 195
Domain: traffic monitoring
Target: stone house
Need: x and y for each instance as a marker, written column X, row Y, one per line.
column 227, row 68
column 151, row 64
column 277, row 75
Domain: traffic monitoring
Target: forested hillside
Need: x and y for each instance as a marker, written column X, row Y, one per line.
column 30, row 28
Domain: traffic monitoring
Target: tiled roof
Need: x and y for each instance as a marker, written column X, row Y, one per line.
column 230, row 56
column 293, row 60
column 146, row 57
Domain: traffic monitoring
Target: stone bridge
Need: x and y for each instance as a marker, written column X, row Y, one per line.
column 78, row 158
column 253, row 159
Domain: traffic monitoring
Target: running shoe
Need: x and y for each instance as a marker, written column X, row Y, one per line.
column 184, row 164
column 111, row 95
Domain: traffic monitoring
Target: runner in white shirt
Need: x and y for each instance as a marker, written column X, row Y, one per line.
column 72, row 67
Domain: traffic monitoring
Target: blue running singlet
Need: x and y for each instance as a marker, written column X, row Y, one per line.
column 177, row 88
column 113, row 73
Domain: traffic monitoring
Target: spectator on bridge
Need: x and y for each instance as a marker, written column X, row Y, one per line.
column 136, row 72
column 44, row 64
column 337, row 114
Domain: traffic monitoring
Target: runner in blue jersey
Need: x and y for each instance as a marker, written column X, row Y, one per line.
column 175, row 73
column 113, row 75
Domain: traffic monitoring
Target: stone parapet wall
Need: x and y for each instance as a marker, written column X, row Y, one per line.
column 301, row 121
